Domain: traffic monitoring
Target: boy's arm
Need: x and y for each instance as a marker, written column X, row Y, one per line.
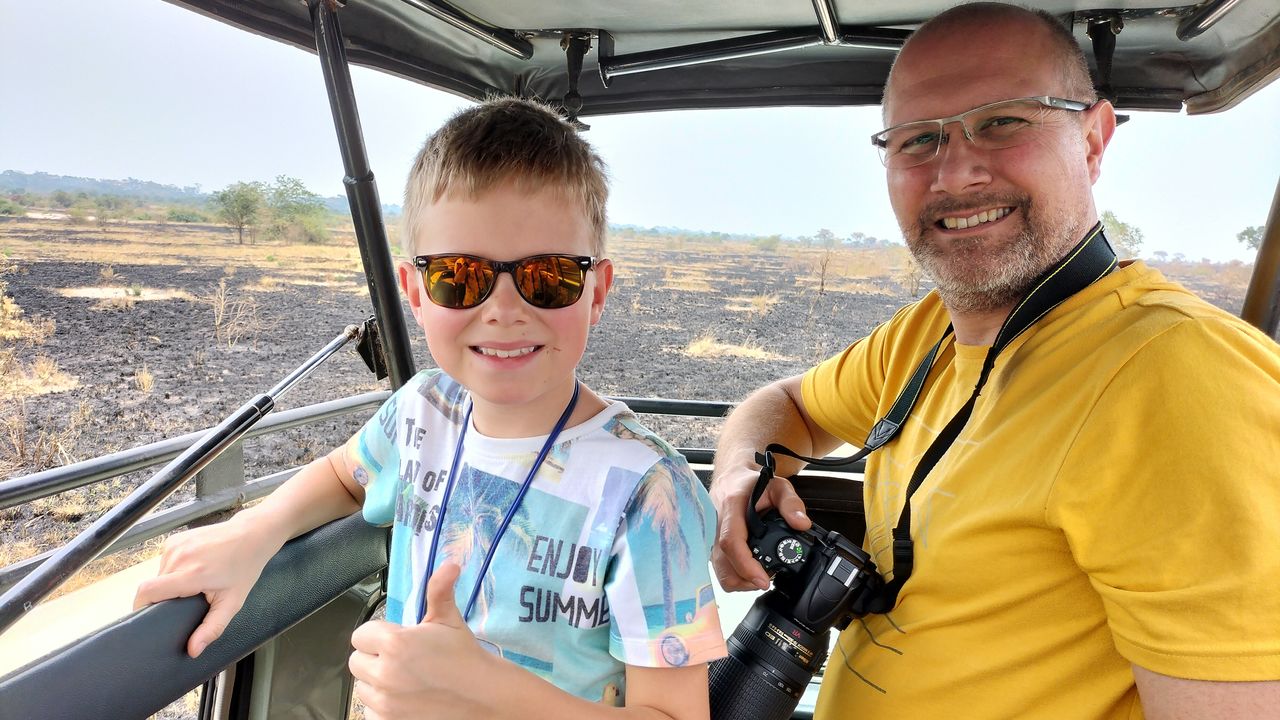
column 224, row 561
column 437, row 670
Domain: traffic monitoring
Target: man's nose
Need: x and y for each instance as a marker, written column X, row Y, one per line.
column 961, row 166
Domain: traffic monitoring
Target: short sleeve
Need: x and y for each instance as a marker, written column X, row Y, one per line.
column 1170, row 501
column 661, row 602
column 373, row 458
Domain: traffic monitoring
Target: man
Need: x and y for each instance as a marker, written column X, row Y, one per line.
column 1099, row 540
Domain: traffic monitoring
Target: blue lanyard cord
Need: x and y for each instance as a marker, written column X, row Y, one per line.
column 506, row 521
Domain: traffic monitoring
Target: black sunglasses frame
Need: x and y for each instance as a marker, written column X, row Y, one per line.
column 423, row 262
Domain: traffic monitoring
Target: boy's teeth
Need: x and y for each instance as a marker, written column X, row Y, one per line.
column 974, row 220
column 494, row 352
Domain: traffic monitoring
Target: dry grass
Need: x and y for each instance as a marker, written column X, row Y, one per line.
column 235, row 316
column 708, row 346
column 143, row 379
column 20, row 447
column 758, row 305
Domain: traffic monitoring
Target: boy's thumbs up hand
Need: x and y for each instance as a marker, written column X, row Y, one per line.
column 441, row 607
column 429, row 670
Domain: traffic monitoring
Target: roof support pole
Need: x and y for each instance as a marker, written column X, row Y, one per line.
column 828, row 23
column 362, row 192
column 1262, row 301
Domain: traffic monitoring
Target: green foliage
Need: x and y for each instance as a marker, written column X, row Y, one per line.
column 294, row 213
column 769, row 243
column 185, row 215
column 1125, row 239
column 1251, row 236
column 9, row 207
column 827, row 239
column 239, row 205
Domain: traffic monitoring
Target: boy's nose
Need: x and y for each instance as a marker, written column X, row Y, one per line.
column 504, row 304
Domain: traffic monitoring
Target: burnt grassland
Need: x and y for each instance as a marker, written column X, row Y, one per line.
column 116, row 334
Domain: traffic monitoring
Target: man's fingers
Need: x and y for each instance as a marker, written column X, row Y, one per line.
column 736, row 568
column 782, row 495
column 441, row 607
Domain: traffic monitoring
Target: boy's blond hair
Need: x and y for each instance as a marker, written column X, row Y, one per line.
column 506, row 139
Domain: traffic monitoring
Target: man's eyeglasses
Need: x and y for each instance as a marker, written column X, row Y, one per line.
column 992, row 126
column 465, row 281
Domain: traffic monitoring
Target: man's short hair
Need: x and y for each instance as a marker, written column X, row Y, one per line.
column 1075, row 68
column 506, row 139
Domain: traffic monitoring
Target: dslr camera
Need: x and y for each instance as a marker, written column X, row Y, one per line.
column 821, row 580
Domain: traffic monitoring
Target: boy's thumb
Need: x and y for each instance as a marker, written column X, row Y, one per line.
column 441, row 607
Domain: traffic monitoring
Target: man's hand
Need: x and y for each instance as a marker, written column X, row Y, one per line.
column 736, row 568
column 435, row 669
column 221, row 561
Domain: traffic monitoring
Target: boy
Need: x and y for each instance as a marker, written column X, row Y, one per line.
column 581, row 541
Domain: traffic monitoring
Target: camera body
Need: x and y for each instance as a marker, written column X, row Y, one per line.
column 821, row 580
column 821, row 572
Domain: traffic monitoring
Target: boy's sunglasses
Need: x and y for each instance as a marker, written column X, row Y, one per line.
column 465, row 281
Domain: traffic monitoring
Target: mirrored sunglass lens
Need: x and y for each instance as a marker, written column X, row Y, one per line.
column 550, row 282
column 457, row 281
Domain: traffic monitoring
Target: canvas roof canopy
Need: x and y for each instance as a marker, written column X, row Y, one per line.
column 670, row 54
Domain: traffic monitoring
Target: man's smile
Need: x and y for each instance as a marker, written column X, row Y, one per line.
column 973, row 220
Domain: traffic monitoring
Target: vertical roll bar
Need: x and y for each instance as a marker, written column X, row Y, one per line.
column 362, row 192
column 1262, row 301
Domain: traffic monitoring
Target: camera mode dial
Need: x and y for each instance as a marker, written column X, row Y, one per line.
column 790, row 551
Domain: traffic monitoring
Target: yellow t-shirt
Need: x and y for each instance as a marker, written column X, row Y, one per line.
column 1114, row 499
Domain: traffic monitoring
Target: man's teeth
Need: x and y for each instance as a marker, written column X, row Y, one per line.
column 974, row 220
column 494, row 352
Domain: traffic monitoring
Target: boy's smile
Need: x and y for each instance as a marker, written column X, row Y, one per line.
column 518, row 361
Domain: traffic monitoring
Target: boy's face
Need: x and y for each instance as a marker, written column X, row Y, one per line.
column 524, row 393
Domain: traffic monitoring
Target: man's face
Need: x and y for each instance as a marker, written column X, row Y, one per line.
column 985, row 223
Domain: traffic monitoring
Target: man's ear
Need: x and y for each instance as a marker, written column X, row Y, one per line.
column 1100, row 125
column 411, row 285
column 604, row 281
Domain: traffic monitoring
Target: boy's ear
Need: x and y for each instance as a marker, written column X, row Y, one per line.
column 604, row 281
column 411, row 285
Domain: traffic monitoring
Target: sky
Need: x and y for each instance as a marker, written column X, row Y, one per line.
column 145, row 89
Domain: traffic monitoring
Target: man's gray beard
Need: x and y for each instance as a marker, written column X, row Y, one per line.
column 991, row 283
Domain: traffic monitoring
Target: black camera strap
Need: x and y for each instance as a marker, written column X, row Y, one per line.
column 1091, row 259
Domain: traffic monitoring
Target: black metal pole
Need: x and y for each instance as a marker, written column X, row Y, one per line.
column 90, row 543
column 362, row 193
column 1262, row 300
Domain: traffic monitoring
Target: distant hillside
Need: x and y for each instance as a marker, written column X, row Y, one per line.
column 40, row 182
column 45, row 183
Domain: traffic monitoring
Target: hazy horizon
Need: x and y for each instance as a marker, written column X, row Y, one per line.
column 208, row 104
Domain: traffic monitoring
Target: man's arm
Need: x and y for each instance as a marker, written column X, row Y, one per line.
column 1170, row 698
column 772, row 414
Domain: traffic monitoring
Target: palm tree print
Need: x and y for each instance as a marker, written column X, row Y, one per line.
column 479, row 503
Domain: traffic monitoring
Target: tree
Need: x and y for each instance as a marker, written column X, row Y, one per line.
column 295, row 213
column 1251, row 236
column 826, row 238
column 1125, row 239
column 239, row 205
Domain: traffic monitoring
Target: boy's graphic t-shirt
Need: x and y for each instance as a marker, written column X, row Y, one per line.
column 604, row 564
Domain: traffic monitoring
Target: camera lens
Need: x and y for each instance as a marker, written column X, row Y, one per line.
column 771, row 660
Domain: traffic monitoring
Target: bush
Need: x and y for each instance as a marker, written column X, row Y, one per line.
column 8, row 207
column 186, row 215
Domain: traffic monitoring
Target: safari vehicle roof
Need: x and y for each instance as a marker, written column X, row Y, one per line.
column 673, row 54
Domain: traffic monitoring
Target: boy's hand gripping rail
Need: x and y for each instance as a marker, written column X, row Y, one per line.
column 90, row 543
